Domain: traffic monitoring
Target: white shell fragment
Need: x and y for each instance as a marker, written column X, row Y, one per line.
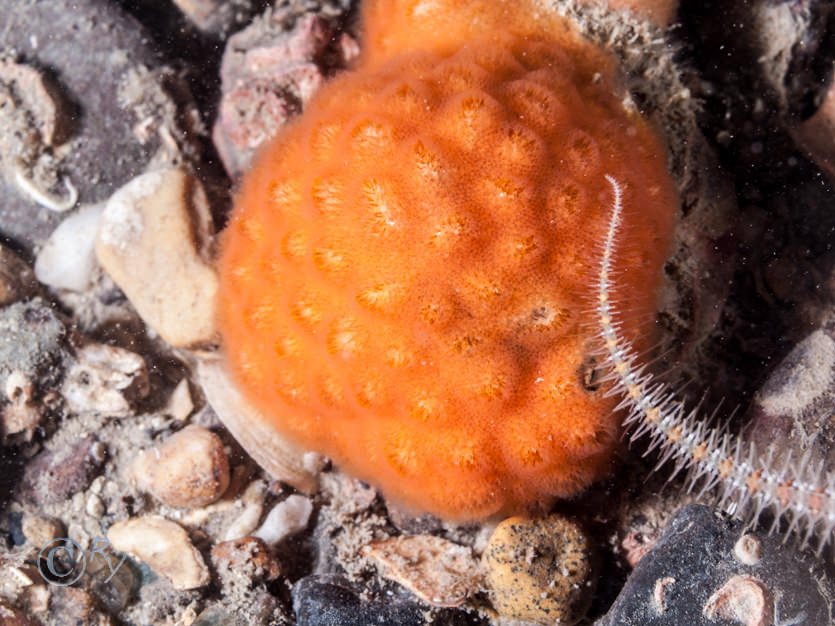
column 105, row 379
column 253, row 503
column 437, row 571
column 180, row 405
column 287, row 518
column 250, row 427
column 68, row 258
column 164, row 546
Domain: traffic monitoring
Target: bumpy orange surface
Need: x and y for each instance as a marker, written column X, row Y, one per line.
column 406, row 274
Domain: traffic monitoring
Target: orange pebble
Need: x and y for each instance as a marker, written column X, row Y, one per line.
column 406, row 276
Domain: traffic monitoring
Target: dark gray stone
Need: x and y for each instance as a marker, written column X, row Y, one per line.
column 694, row 558
column 331, row 601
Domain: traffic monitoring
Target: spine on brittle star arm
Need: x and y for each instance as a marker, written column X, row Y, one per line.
column 747, row 479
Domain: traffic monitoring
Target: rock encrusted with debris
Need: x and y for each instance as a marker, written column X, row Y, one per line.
column 270, row 71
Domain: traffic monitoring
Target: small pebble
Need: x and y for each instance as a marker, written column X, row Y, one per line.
column 11, row 617
column 98, row 452
column 164, row 547
column 36, row 598
column 39, row 531
column 190, row 469
column 155, row 242
column 105, row 379
column 253, row 501
column 218, row 16
column 248, row 557
column 539, row 570
column 286, row 518
column 17, row 281
column 71, row 606
column 56, row 476
column 94, row 506
column 437, row 571
column 68, row 258
column 20, row 414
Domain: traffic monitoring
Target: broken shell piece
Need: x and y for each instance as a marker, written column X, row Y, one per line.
column 43, row 197
column 68, row 258
column 287, row 518
column 189, row 469
column 743, row 599
column 154, row 241
column 105, row 379
column 180, row 405
column 164, row 546
column 253, row 501
column 437, row 571
column 252, row 429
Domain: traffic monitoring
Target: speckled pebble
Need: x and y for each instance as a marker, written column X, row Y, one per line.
column 33, row 341
column 539, row 569
column 247, row 557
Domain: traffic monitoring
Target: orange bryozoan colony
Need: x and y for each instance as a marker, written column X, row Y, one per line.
column 407, row 274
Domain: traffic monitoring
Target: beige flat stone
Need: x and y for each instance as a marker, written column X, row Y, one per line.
column 154, row 241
